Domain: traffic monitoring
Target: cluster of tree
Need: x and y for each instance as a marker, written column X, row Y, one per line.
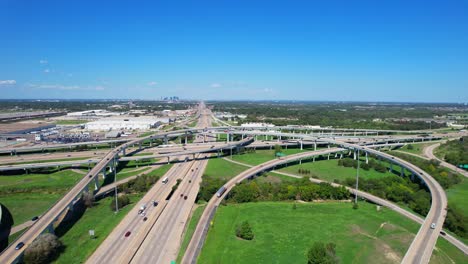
column 122, row 201
column 45, row 249
column 244, row 231
column 140, row 184
column 208, row 187
column 396, row 189
column 303, row 189
column 456, row 151
column 321, row 253
column 444, row 176
column 348, row 162
column 456, row 221
column 303, row 171
column 88, row 199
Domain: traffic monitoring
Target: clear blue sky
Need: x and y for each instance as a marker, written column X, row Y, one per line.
column 309, row 50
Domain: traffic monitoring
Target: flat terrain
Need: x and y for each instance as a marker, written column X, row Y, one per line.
column 416, row 148
column 220, row 168
column 29, row 195
column 283, row 235
column 329, row 170
column 261, row 156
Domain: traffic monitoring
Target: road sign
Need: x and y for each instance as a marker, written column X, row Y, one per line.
column 91, row 233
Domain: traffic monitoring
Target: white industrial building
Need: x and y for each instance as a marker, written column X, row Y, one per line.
column 257, row 125
column 126, row 123
column 91, row 113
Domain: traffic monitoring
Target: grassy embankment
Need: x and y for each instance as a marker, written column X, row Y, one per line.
column 283, row 235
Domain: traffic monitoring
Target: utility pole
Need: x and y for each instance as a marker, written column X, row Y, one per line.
column 357, row 177
column 115, row 183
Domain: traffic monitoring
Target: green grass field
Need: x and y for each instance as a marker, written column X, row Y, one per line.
column 220, row 168
column 417, row 148
column 58, row 180
column 70, row 122
column 189, row 231
column 78, row 244
column 261, row 156
column 24, row 206
column 45, row 161
column 329, row 170
column 283, row 235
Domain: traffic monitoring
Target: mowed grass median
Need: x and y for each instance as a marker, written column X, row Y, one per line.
column 283, row 234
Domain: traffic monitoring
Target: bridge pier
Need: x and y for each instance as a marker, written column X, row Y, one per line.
column 168, row 160
column 300, row 162
column 185, row 139
column 123, row 151
column 328, row 158
column 139, row 146
column 96, row 183
column 301, row 144
column 165, row 140
column 313, row 158
column 354, row 154
column 391, row 167
column 341, row 155
column 103, row 171
column 50, row 228
column 367, row 158
column 402, row 172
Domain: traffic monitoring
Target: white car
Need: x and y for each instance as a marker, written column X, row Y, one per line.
column 433, row 225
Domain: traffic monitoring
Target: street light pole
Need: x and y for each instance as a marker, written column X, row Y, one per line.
column 357, row 177
column 115, row 183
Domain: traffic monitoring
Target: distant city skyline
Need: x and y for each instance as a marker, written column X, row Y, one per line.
column 365, row 51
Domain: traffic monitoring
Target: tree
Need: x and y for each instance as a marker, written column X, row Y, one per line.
column 277, row 148
column 321, row 253
column 244, row 231
column 88, row 199
column 43, row 250
column 122, row 201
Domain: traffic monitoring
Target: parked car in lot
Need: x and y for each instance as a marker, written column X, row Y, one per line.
column 19, row 246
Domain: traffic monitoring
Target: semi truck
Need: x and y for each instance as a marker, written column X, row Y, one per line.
column 220, row 191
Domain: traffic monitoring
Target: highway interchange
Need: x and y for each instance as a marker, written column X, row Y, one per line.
column 157, row 239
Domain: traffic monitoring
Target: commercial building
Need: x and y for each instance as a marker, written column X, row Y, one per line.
column 126, row 123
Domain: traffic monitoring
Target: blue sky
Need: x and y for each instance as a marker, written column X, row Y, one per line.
column 307, row 50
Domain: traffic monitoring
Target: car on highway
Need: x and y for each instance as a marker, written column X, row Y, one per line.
column 145, row 218
column 442, row 233
column 19, row 246
column 35, row 218
column 433, row 225
column 127, row 234
column 155, row 203
column 185, row 197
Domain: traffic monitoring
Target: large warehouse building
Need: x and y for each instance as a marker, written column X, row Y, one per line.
column 126, row 123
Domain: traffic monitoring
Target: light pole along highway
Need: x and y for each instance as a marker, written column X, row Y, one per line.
column 420, row 249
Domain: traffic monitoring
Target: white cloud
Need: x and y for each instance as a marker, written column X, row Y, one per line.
column 46, row 70
column 215, row 85
column 7, row 82
column 43, row 62
column 66, row 87
column 268, row 90
column 152, row 83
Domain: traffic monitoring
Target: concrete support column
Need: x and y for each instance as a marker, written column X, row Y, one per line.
column 391, row 167
column 328, row 156
column 96, row 183
column 367, row 158
column 123, row 151
column 315, row 145
column 313, row 159
column 341, row 155
column 168, row 160
column 402, row 173
column 354, row 154
column 165, row 140
column 300, row 162
column 103, row 173
column 301, row 144
column 139, row 146
column 185, row 139
column 50, row 228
